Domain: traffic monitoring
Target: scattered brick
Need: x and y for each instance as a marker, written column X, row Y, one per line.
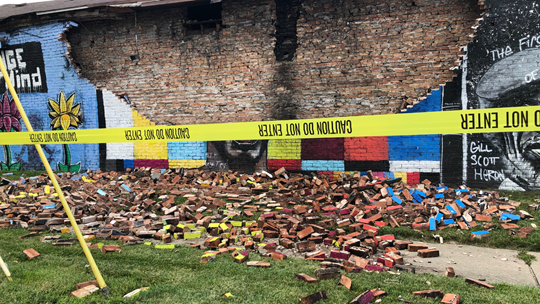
column 479, row 283
column 450, row 298
column 305, row 278
column 326, row 273
column 364, row 298
column 314, row 298
column 31, row 253
column 428, row 253
column 429, row 293
column 83, row 292
column 345, row 281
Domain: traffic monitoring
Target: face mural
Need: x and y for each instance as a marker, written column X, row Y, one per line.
column 237, row 155
column 500, row 70
column 515, row 82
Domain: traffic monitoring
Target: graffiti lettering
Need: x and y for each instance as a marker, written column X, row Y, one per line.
column 488, row 175
column 479, row 147
column 483, row 161
column 501, row 53
column 531, row 76
column 24, row 64
column 529, row 42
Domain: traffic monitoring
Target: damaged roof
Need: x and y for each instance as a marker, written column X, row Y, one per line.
column 58, row 6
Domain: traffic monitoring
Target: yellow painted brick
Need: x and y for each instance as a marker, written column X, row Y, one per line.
column 284, row 149
column 148, row 150
column 403, row 176
column 187, row 163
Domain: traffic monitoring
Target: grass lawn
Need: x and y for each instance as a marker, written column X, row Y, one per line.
column 177, row 276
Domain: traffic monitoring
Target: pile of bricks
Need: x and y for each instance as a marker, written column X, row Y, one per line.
column 298, row 210
column 331, row 220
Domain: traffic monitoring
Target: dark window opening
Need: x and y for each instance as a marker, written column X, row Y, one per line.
column 287, row 13
column 203, row 19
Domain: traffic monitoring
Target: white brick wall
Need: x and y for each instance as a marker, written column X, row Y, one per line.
column 117, row 115
column 415, row 166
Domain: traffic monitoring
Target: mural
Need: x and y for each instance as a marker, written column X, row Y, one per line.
column 38, row 67
column 65, row 115
column 501, row 69
column 9, row 122
column 243, row 156
column 25, row 66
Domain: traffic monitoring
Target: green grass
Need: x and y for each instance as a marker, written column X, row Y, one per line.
column 527, row 258
column 17, row 174
column 177, row 276
column 499, row 237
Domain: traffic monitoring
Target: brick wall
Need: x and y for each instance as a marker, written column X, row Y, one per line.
column 299, row 59
column 352, row 58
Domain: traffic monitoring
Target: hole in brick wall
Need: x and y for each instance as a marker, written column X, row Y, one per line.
column 287, row 13
column 203, row 19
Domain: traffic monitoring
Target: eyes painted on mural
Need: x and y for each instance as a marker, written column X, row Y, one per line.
column 64, row 113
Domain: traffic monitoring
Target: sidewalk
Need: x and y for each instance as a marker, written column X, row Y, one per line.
column 491, row 265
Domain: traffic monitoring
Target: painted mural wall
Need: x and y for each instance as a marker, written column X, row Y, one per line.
column 53, row 95
column 501, row 70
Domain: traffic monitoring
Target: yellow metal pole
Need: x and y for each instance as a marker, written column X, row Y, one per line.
column 5, row 269
column 87, row 252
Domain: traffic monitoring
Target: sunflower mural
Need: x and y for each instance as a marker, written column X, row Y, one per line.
column 9, row 122
column 65, row 115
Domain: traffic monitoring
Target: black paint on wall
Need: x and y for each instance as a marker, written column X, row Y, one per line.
column 452, row 144
column 102, row 125
column 243, row 156
column 26, row 68
column 114, row 165
column 376, row 166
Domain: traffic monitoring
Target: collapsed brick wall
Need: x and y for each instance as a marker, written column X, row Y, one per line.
column 353, row 57
column 199, row 78
column 275, row 60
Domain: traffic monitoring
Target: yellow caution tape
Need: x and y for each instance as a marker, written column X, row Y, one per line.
column 515, row 119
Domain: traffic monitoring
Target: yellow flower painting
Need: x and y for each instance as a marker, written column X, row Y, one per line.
column 64, row 113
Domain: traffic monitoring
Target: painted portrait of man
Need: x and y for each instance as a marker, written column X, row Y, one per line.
column 247, row 156
column 514, row 82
